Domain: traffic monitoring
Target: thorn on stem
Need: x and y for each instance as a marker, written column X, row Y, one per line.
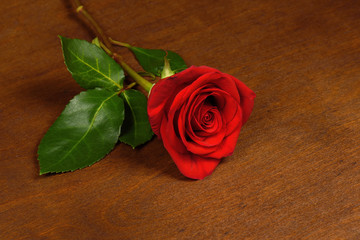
column 79, row 8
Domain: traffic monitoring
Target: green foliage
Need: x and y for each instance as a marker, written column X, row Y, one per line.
column 136, row 127
column 152, row 60
column 84, row 133
column 96, row 119
column 90, row 66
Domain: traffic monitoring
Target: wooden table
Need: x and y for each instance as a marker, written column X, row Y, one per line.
column 295, row 173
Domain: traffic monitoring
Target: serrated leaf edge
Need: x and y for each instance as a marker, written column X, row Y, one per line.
column 90, row 126
column 97, row 60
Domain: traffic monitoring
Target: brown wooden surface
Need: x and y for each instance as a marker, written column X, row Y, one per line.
column 295, row 173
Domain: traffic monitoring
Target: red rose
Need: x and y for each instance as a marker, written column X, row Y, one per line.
column 198, row 114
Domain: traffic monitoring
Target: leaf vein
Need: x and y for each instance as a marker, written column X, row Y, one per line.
column 96, row 70
column 85, row 134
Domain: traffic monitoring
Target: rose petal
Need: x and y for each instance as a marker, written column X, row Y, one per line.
column 186, row 129
column 227, row 146
column 247, row 97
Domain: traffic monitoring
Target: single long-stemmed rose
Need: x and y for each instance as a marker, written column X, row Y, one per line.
column 197, row 112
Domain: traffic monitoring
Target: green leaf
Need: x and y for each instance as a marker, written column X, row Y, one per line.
column 152, row 60
column 90, row 66
column 84, row 133
column 136, row 129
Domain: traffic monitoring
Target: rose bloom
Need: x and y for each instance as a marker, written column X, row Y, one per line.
column 198, row 114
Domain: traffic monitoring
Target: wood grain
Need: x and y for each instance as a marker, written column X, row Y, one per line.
column 295, row 173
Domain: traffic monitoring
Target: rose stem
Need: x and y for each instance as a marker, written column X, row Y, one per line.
column 79, row 8
column 122, row 44
column 139, row 79
column 108, row 48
